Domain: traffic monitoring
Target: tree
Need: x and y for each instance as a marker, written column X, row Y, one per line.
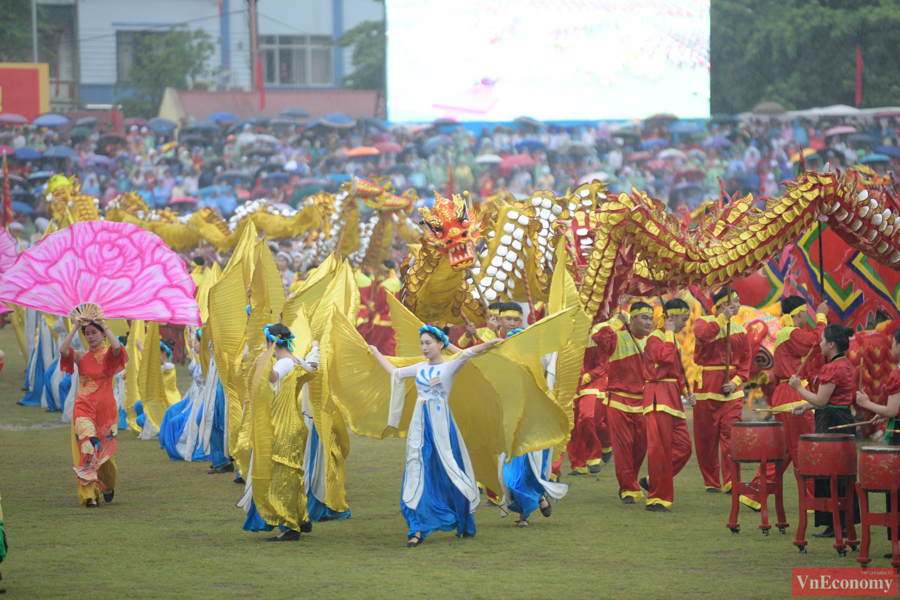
column 368, row 42
column 15, row 31
column 802, row 53
column 172, row 60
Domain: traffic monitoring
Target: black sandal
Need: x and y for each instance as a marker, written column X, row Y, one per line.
column 108, row 496
column 92, row 504
column 546, row 510
column 414, row 541
column 290, row 535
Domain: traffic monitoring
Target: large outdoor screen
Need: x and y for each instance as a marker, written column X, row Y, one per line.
column 494, row 60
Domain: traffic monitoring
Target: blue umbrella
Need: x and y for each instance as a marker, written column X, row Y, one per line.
column 21, row 207
column 313, row 123
column 717, row 142
column 295, row 113
column 377, row 123
column 435, row 142
column 158, row 124
column 259, row 119
column 339, row 177
column 530, row 144
column 654, row 143
column 338, row 120
column 99, row 160
column 276, row 176
column 682, row 128
column 893, row 151
column 222, row 116
column 50, row 120
column 27, row 154
column 60, row 152
column 874, row 158
column 40, row 175
column 213, row 189
column 203, row 126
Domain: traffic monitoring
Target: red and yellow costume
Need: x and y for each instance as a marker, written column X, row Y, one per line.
column 381, row 332
column 590, row 434
column 363, row 325
column 625, row 389
column 715, row 413
column 791, row 345
column 668, row 439
column 95, row 419
column 483, row 334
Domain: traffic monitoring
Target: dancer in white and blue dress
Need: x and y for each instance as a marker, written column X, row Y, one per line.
column 439, row 488
column 181, row 424
column 525, row 480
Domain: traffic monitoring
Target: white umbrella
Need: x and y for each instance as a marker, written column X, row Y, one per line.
column 598, row 175
column 488, row 159
column 672, row 153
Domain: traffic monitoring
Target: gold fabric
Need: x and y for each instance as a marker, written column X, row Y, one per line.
column 311, row 291
column 132, row 370
column 154, row 391
column 170, row 383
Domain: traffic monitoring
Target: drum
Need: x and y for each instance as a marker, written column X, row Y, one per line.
column 879, row 468
column 753, row 441
column 824, row 454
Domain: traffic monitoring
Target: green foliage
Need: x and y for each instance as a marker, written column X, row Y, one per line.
column 368, row 43
column 802, row 53
column 164, row 61
column 15, row 32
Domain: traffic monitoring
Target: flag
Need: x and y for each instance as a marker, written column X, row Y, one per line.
column 260, row 82
column 6, row 212
column 859, row 69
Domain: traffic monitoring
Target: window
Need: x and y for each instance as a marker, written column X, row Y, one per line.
column 126, row 43
column 297, row 59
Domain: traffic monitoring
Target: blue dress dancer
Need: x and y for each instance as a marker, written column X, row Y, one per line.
column 439, row 489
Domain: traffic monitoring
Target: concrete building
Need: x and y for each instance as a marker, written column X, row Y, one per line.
column 294, row 39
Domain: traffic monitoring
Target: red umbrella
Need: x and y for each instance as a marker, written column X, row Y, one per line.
column 183, row 200
column 880, row 114
column 517, row 160
column 137, row 121
column 639, row 156
column 6, row 150
column 361, row 151
column 388, row 147
column 840, row 130
column 13, row 118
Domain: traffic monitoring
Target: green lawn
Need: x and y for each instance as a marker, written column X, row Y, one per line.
column 174, row 532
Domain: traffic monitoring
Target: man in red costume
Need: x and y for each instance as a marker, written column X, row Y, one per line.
column 720, row 394
column 477, row 335
column 624, row 347
column 382, row 333
column 792, row 344
column 668, row 440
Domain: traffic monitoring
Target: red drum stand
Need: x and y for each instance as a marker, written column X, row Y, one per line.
column 757, row 442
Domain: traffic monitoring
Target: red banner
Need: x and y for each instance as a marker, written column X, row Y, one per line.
column 844, row 583
column 24, row 89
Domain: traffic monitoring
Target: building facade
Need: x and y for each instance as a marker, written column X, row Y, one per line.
column 294, row 38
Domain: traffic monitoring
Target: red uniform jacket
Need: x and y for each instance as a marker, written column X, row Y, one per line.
column 791, row 346
column 626, row 374
column 665, row 381
column 709, row 354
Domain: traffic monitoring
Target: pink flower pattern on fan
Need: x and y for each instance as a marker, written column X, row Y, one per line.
column 128, row 272
column 9, row 251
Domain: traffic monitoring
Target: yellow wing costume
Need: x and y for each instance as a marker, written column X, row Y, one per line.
column 132, row 370
column 155, row 391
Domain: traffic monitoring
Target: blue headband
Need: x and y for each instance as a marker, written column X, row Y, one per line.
column 199, row 333
column 162, row 346
column 288, row 342
column 435, row 332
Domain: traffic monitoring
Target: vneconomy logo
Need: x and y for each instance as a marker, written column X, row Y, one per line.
column 844, row 583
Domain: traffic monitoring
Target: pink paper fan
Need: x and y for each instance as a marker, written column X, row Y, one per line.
column 128, row 272
column 9, row 251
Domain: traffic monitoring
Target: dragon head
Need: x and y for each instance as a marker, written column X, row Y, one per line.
column 452, row 226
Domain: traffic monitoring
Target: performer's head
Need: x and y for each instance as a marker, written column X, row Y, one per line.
column 495, row 308
column 432, row 340
column 835, row 340
column 510, row 317
column 641, row 318
column 679, row 310
column 793, row 311
column 726, row 297
column 93, row 334
column 279, row 335
column 195, row 343
column 165, row 353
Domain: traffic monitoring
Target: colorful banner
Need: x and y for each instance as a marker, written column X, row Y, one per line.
column 25, row 89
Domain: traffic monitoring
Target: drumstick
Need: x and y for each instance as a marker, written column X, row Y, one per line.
column 772, row 410
column 853, row 424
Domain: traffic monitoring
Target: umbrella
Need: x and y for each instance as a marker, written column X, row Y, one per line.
column 259, row 120
column 875, row 158
column 259, row 151
column 222, row 116
column 159, row 124
column 113, row 136
column 840, row 130
column 4, row 149
column 338, row 120
column 339, row 177
column 21, row 207
column 13, row 119
column 183, row 200
column 672, row 153
column 44, row 175
column 639, row 156
column 51, row 120
column 270, row 177
column 138, row 121
column 361, row 151
column 377, row 123
column 662, row 117
column 291, row 165
column 202, row 126
column 654, row 143
column 80, row 133
column 892, row 151
column 60, row 152
column 880, row 114
column 530, row 144
column 448, row 121
column 214, row 189
column 724, row 118
column 190, row 139
column 234, row 174
column 295, row 113
column 86, row 122
column 807, row 153
column 517, row 160
column 14, row 178
column 686, row 128
column 577, row 149
column 98, row 160
column 402, row 128
column 768, row 108
column 717, row 142
column 262, row 138
column 282, row 122
column 598, row 175
column 530, row 122
column 860, row 138
column 435, row 142
column 488, row 159
column 388, row 147
column 27, row 154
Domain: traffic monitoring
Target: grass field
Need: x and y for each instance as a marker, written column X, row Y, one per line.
column 174, row 532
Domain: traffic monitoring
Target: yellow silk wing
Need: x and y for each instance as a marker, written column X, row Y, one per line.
column 150, row 379
column 132, row 370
